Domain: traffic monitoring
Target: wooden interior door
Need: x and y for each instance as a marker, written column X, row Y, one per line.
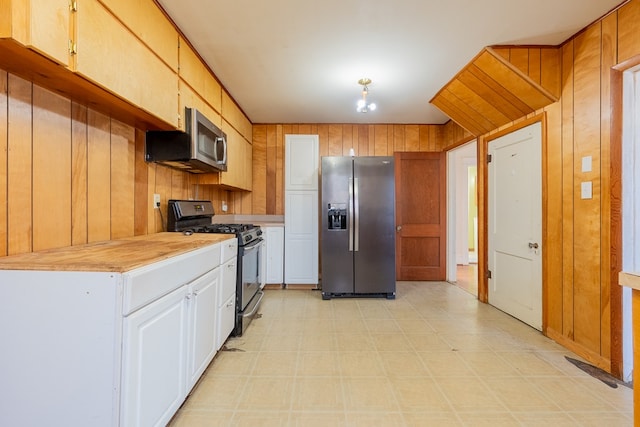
column 420, row 216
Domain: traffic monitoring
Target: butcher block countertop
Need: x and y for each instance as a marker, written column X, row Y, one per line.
column 630, row 279
column 119, row 255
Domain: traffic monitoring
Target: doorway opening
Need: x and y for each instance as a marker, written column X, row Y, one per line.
column 630, row 205
column 462, row 217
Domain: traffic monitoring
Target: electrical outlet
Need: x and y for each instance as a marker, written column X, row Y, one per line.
column 156, row 201
column 224, row 207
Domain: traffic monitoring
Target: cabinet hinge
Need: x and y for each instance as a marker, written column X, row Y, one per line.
column 73, row 48
column 73, row 6
column 488, row 274
column 489, row 158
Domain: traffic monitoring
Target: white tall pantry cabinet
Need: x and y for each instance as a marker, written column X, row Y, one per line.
column 301, row 209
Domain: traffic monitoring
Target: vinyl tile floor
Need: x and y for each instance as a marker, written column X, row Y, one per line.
column 434, row 356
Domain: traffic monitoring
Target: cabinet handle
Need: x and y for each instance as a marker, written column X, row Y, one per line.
column 231, row 266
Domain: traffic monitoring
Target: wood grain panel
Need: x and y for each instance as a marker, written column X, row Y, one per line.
column 19, row 166
column 550, row 73
column 519, row 57
column 272, row 184
column 628, row 34
column 465, row 116
column 567, row 191
column 608, row 293
column 552, row 193
column 122, row 180
column 279, row 171
column 398, row 138
column 335, row 142
column 486, row 99
column 259, row 185
column 78, row 174
column 98, row 177
column 51, row 170
column 534, row 68
column 586, row 221
column 412, row 137
column 4, row 108
column 142, row 204
column 380, row 144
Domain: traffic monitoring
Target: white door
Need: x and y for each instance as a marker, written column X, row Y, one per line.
column 301, row 237
column 301, row 162
column 515, row 224
column 153, row 374
column 203, row 302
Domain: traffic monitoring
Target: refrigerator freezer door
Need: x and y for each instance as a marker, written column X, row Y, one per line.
column 337, row 259
column 375, row 266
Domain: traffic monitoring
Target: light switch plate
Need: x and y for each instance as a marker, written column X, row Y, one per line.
column 586, row 190
column 586, row 164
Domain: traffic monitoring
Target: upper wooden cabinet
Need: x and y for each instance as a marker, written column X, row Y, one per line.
column 41, row 25
column 144, row 19
column 196, row 75
column 110, row 55
column 239, row 160
column 491, row 92
column 236, row 118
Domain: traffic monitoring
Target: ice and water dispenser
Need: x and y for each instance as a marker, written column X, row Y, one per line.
column 337, row 215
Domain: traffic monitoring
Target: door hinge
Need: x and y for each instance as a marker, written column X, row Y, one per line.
column 73, row 48
column 73, row 6
column 488, row 274
column 489, row 157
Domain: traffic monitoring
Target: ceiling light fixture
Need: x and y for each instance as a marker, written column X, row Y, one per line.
column 363, row 105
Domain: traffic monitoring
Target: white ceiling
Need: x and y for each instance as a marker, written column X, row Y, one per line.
column 299, row 61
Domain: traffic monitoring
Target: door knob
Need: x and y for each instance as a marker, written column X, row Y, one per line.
column 398, row 228
column 533, row 245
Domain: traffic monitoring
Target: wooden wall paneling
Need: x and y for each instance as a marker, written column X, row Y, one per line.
column 162, row 187
column 272, row 184
column 323, row 137
column 355, row 139
column 412, row 138
column 347, row 139
column 550, row 74
column 488, row 79
column 3, row 161
column 79, row 126
column 19, row 166
column 519, row 57
column 552, row 263
column 607, row 290
column 98, row 177
column 335, row 141
column 628, row 34
column 567, row 191
column 424, row 138
column 463, row 113
column 123, row 157
column 532, row 95
column 380, row 140
column 398, row 138
column 51, row 170
column 586, row 223
column 363, row 140
column 179, row 185
column 279, row 171
column 259, row 185
column 142, row 204
column 535, row 65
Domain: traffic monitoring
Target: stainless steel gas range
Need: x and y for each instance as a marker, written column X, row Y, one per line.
column 195, row 216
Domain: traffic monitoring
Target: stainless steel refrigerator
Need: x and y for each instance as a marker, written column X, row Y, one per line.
column 358, row 227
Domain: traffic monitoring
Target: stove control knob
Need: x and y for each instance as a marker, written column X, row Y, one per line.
column 247, row 238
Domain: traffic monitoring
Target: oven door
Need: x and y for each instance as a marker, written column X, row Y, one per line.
column 249, row 282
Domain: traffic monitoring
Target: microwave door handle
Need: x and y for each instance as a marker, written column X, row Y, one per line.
column 222, row 141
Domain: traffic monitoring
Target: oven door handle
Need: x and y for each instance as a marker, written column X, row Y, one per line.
column 260, row 295
column 252, row 246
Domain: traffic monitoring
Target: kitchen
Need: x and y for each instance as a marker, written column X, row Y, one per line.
column 89, row 182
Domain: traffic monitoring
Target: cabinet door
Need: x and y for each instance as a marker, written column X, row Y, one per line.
column 301, row 162
column 114, row 58
column 301, row 237
column 226, row 300
column 274, row 254
column 154, row 351
column 42, row 25
column 203, row 303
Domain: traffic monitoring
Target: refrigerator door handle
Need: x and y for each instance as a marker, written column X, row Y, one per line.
column 350, row 225
column 356, row 232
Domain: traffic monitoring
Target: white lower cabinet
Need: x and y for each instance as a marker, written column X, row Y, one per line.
column 111, row 349
column 203, row 308
column 274, row 254
column 227, row 295
column 155, row 347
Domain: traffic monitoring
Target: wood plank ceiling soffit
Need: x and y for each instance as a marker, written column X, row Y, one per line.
column 490, row 92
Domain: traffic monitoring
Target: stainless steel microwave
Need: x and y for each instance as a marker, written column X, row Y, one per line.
column 202, row 148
